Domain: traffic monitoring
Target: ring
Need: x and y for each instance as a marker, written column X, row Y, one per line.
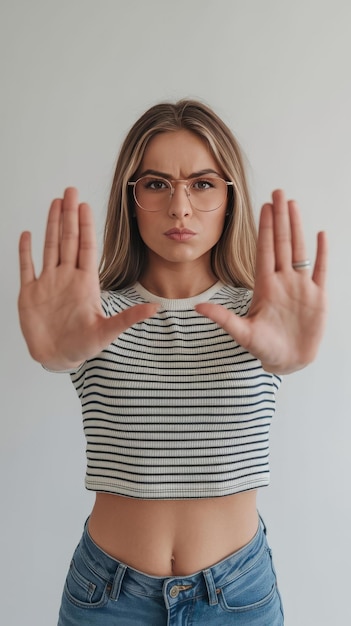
column 302, row 265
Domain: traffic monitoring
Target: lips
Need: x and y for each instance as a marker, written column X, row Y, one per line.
column 180, row 234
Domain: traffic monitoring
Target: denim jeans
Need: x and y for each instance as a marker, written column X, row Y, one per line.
column 240, row 590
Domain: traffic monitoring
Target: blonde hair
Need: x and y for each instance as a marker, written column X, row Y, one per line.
column 124, row 253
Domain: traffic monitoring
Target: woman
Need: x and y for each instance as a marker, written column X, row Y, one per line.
column 176, row 364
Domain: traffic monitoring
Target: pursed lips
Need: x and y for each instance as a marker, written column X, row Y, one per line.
column 179, row 234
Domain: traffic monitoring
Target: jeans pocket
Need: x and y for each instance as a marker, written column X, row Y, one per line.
column 83, row 587
column 253, row 589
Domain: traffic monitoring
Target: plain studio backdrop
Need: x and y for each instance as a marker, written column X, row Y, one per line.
column 75, row 76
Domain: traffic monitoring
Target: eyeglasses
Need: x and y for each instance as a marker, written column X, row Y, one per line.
column 205, row 193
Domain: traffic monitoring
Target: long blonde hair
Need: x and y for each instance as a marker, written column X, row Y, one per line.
column 124, row 253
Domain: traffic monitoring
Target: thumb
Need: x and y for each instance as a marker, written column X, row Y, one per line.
column 117, row 324
column 237, row 327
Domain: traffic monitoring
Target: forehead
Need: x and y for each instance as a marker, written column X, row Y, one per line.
column 178, row 153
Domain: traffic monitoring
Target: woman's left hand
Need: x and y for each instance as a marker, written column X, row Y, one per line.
column 286, row 319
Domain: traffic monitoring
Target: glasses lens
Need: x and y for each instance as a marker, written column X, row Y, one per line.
column 208, row 193
column 152, row 194
column 204, row 194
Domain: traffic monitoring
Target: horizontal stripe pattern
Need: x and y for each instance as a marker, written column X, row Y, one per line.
column 174, row 408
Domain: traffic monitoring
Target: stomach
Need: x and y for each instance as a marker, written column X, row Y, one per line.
column 173, row 537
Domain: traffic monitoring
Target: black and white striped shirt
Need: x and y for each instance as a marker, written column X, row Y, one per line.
column 174, row 408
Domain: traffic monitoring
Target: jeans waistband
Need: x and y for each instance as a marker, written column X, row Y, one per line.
column 205, row 582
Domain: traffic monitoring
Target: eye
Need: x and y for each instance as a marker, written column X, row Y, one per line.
column 155, row 184
column 203, row 184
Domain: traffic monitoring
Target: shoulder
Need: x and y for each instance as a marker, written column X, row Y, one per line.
column 114, row 302
column 237, row 299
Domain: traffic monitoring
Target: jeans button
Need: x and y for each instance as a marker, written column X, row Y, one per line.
column 174, row 591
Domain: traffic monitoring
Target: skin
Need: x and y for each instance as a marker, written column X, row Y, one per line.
column 63, row 324
column 179, row 269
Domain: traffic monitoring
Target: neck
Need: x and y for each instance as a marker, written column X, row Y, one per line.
column 177, row 283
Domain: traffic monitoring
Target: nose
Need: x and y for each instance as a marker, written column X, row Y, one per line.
column 179, row 205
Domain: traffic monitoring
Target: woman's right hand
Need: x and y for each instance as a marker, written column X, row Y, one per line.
column 60, row 311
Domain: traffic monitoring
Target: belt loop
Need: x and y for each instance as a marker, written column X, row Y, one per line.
column 117, row 582
column 211, row 587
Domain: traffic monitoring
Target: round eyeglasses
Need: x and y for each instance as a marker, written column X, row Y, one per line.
column 205, row 193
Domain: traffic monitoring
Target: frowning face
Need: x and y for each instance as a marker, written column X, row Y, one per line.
column 179, row 233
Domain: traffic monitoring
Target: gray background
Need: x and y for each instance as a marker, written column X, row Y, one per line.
column 74, row 76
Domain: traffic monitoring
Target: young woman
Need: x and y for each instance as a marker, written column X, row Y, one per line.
column 176, row 350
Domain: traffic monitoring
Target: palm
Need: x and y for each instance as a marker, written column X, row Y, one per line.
column 60, row 312
column 287, row 315
column 55, row 308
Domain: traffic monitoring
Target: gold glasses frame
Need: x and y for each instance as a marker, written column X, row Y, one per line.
column 170, row 183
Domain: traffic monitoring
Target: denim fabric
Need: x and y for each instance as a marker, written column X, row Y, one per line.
column 240, row 590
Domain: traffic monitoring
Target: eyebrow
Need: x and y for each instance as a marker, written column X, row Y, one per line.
column 169, row 176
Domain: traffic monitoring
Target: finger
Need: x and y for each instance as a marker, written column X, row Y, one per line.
column 70, row 229
column 51, row 255
column 319, row 275
column 282, row 232
column 27, row 274
column 237, row 327
column 265, row 262
column 114, row 326
column 297, row 235
column 87, row 256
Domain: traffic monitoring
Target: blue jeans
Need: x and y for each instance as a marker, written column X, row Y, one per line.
column 240, row 590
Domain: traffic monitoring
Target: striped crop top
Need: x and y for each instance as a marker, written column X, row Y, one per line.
column 174, row 408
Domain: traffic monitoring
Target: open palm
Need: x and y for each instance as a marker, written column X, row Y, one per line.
column 60, row 312
column 286, row 319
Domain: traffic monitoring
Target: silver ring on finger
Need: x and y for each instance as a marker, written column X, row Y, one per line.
column 302, row 265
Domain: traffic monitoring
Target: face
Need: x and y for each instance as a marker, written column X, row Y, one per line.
column 179, row 233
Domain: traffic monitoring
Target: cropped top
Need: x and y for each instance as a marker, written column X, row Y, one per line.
column 174, row 408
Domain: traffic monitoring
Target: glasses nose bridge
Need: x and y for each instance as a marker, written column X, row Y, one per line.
column 176, row 204
column 185, row 184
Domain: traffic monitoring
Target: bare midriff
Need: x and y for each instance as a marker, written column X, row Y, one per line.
column 173, row 537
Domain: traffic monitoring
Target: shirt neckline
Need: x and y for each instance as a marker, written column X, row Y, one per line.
column 179, row 304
